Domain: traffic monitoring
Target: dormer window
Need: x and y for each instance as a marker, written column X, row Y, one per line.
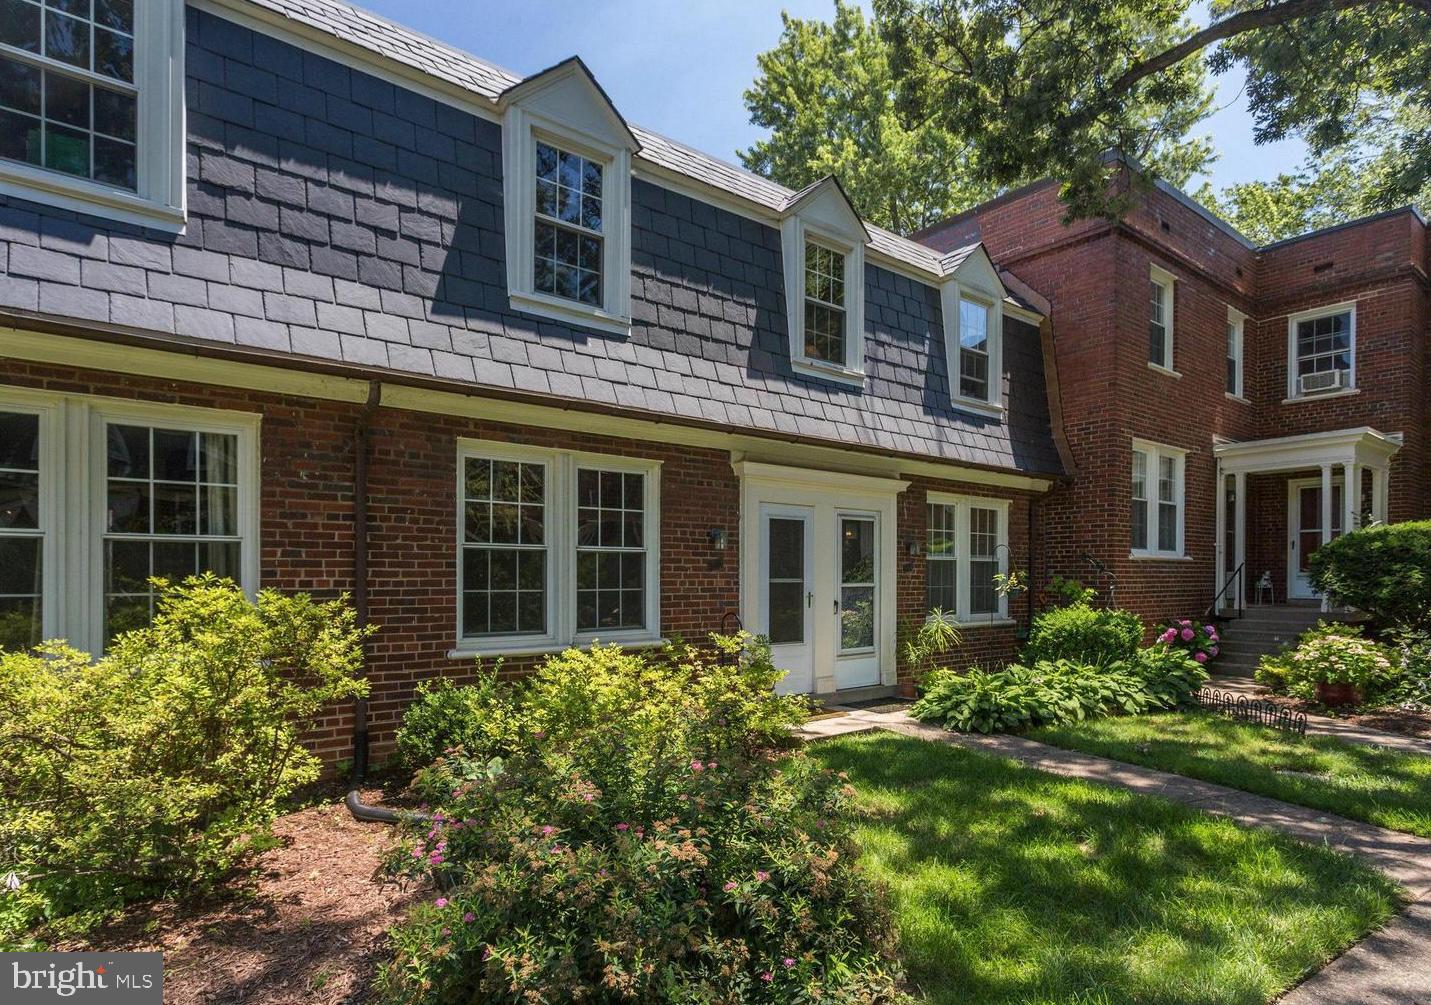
column 566, row 185
column 824, row 304
column 568, row 227
column 823, row 242
column 971, row 300
column 91, row 106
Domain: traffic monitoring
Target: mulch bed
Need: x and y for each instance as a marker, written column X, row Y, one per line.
column 307, row 925
column 1388, row 720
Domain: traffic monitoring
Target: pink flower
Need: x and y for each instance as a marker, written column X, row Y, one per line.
column 469, row 917
column 441, row 901
column 1212, row 651
column 548, row 830
column 761, row 875
column 787, row 963
column 1200, row 657
column 447, row 931
column 1187, row 634
column 767, row 977
column 697, row 766
column 711, row 765
column 623, row 827
column 1169, row 635
column 729, row 886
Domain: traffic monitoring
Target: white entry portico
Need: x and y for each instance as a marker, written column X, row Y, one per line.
column 1319, row 507
column 818, row 573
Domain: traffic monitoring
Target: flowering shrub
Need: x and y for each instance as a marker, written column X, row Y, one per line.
column 1056, row 692
column 1198, row 641
column 642, row 840
column 161, row 765
column 1332, row 654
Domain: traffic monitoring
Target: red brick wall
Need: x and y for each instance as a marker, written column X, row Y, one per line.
column 306, row 513
column 1095, row 275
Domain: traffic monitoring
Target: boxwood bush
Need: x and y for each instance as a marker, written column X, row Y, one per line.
column 646, row 835
column 1080, row 633
column 1384, row 570
column 1053, row 692
column 161, row 765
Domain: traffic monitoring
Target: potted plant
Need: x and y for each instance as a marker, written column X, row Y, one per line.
column 1337, row 666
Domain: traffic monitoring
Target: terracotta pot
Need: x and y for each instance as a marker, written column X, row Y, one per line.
column 1336, row 695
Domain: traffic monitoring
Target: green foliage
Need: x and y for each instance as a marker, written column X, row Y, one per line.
column 160, row 765
column 443, row 716
column 1051, row 86
column 1052, row 692
column 642, row 839
column 1084, row 634
column 1413, row 690
column 1063, row 592
column 827, row 95
column 1332, row 654
column 1384, row 570
column 928, row 640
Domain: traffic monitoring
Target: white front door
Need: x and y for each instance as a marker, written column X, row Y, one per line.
column 1304, row 522
column 787, row 598
column 857, row 600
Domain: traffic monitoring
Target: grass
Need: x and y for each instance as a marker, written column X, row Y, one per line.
column 1011, row 885
column 1389, row 788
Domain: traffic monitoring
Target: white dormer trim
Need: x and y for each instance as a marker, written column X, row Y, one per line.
column 821, row 214
column 565, row 108
column 975, row 280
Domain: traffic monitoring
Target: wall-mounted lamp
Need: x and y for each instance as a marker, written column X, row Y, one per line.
column 717, row 537
column 911, row 547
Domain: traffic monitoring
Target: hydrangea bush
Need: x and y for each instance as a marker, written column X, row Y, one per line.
column 644, row 835
column 1199, row 641
column 1334, row 654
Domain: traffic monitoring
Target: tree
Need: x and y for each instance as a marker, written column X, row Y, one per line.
column 1354, row 180
column 1050, row 85
column 827, row 94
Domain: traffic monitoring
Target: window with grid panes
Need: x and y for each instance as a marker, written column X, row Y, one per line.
column 824, row 304
column 610, row 550
column 568, row 243
column 504, row 547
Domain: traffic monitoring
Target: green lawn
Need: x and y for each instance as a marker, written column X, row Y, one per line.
column 1015, row 886
column 1380, row 786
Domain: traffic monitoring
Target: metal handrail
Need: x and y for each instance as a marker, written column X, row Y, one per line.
column 1220, row 595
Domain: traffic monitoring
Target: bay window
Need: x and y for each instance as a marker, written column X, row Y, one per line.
column 966, row 548
column 556, row 548
column 1156, row 513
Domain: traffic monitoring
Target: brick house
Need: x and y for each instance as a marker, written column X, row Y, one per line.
column 293, row 294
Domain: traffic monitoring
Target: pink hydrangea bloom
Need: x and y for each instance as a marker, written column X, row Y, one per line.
column 1200, row 657
column 1169, row 635
column 1187, row 634
column 1212, row 651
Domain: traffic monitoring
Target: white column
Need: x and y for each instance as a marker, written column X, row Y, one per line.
column 1326, row 514
column 1239, row 492
column 1379, row 479
column 1351, row 496
column 1220, row 541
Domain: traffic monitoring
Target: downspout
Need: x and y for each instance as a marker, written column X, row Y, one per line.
column 361, row 442
column 1034, row 550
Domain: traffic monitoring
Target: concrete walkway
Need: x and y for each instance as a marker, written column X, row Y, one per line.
column 1322, row 725
column 1392, row 966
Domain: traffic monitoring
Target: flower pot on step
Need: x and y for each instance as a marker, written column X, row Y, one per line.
column 1338, row 695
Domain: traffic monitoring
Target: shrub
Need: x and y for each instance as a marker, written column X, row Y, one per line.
column 160, row 765
column 1332, row 654
column 643, row 839
column 476, row 718
column 1062, row 592
column 1083, row 634
column 1054, row 692
column 1384, row 570
column 1413, row 690
column 1200, row 642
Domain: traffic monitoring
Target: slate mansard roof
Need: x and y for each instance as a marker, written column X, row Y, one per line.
column 335, row 215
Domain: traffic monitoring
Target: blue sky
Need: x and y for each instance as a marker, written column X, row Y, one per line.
column 680, row 67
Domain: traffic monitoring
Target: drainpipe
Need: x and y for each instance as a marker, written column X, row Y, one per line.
column 361, row 442
column 1034, row 552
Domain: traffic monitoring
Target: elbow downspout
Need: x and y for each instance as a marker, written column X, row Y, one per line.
column 361, row 445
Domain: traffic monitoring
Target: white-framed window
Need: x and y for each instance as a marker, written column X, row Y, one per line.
column 91, row 106
column 972, row 315
column 555, row 548
column 1321, row 351
column 966, row 546
column 823, row 248
column 1160, row 319
column 28, row 471
column 1236, row 325
column 114, row 493
column 566, row 182
column 1156, row 513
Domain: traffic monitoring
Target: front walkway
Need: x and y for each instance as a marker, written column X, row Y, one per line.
column 1390, row 967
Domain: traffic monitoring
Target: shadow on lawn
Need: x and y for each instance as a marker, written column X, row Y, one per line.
column 1011, row 885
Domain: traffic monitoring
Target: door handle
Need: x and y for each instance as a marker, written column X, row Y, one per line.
column 837, row 607
column 809, row 599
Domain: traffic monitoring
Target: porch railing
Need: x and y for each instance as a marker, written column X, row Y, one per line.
column 1234, row 584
